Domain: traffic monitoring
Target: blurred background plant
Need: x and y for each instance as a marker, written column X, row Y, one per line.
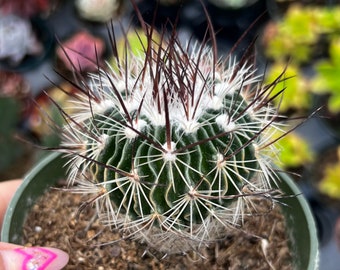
column 307, row 38
column 295, row 153
column 44, row 116
column 327, row 79
column 99, row 10
column 324, row 174
column 81, row 52
column 302, row 34
column 14, row 104
column 297, row 97
column 17, row 39
column 330, row 182
column 27, row 8
column 25, row 39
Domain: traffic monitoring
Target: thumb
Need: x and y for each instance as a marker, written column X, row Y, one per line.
column 14, row 257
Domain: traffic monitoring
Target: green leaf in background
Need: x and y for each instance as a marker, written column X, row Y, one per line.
column 293, row 36
column 327, row 79
column 295, row 151
column 296, row 95
column 330, row 183
column 137, row 42
column 297, row 36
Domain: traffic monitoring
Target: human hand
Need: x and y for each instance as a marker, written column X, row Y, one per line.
column 13, row 257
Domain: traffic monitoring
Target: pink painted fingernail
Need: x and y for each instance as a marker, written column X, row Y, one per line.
column 34, row 258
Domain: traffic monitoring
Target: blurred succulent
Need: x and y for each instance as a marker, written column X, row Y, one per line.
column 81, row 52
column 305, row 35
column 294, row 151
column 297, row 94
column 13, row 85
column 132, row 44
column 326, row 79
column 301, row 32
column 172, row 145
column 330, row 182
column 98, row 10
column 44, row 113
column 17, row 39
column 25, row 8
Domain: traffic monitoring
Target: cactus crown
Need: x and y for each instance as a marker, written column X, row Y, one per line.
column 172, row 143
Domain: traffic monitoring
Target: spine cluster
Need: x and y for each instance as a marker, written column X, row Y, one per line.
column 173, row 143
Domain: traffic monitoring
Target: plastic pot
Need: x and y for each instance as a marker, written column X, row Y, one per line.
column 50, row 170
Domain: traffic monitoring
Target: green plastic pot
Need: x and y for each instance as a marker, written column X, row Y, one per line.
column 298, row 215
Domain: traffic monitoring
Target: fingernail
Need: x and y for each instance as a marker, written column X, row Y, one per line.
column 34, row 258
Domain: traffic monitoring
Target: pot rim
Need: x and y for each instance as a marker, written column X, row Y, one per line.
column 12, row 220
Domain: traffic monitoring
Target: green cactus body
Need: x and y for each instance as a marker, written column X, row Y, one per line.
column 172, row 145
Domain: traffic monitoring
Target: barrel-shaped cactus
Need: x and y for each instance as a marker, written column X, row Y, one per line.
column 173, row 143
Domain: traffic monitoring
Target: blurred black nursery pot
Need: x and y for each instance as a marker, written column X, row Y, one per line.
column 230, row 19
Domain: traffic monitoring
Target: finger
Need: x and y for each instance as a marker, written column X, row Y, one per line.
column 5, row 246
column 13, row 257
column 7, row 190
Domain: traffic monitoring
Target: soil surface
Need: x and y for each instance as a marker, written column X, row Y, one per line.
column 260, row 244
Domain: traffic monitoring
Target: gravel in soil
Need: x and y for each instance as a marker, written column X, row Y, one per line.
column 260, row 244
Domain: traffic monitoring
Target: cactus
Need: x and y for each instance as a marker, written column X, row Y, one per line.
column 173, row 145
